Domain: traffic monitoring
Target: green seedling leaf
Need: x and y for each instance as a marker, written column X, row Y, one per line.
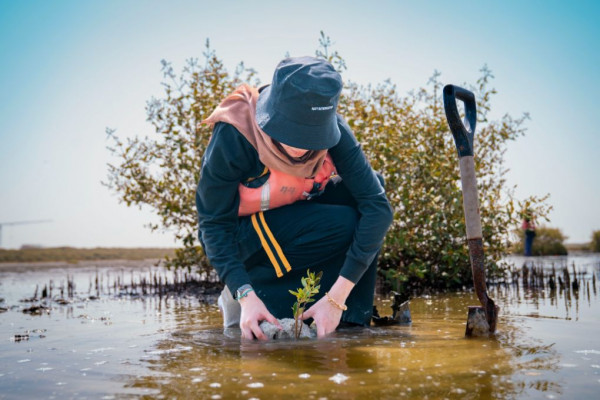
column 304, row 295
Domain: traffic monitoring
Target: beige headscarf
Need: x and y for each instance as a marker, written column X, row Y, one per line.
column 238, row 109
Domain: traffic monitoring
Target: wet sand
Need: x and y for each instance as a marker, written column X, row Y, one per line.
column 36, row 266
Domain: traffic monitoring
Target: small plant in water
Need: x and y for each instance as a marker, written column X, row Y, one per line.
column 304, row 295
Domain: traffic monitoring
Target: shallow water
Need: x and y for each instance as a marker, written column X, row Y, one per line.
column 547, row 346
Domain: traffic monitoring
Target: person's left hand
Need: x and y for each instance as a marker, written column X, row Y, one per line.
column 326, row 316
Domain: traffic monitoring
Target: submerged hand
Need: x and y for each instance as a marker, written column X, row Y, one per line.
column 326, row 316
column 253, row 312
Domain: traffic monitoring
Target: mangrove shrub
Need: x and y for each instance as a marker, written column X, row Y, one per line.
column 406, row 138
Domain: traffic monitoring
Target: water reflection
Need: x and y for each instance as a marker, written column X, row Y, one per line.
column 430, row 359
column 153, row 346
column 550, row 287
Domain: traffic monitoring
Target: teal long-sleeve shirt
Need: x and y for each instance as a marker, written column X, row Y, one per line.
column 230, row 159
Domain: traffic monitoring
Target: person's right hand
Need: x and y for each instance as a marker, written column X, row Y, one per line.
column 253, row 312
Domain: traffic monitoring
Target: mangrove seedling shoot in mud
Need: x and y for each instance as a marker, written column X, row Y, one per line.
column 304, row 295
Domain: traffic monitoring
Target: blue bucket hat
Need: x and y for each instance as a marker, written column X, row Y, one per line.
column 299, row 107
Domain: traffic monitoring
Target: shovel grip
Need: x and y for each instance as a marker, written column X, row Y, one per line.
column 463, row 135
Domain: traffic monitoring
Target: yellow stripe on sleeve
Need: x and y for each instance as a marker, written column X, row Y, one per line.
column 260, row 176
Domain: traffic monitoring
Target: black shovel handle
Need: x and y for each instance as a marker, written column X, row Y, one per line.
column 463, row 135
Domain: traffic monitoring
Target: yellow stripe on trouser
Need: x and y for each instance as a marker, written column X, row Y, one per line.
column 266, row 246
column 284, row 260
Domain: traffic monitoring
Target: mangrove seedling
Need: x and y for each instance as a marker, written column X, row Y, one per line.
column 304, row 295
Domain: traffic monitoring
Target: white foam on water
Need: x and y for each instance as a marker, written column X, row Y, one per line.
column 304, row 376
column 586, row 352
column 255, row 385
column 169, row 351
column 24, row 360
column 215, row 385
column 338, row 378
column 101, row 349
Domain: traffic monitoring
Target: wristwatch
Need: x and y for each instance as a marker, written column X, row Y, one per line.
column 243, row 291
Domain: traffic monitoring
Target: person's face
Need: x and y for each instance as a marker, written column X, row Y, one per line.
column 293, row 151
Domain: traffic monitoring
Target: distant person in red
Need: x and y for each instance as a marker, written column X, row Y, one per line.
column 528, row 226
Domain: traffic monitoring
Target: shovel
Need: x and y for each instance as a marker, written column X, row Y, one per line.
column 481, row 320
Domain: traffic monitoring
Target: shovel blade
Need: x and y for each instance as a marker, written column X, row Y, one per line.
column 477, row 324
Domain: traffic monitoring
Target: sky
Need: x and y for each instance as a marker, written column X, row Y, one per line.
column 70, row 69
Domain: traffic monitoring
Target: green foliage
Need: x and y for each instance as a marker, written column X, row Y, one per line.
column 595, row 244
column 406, row 138
column 304, row 296
column 162, row 172
column 547, row 242
column 578, row 247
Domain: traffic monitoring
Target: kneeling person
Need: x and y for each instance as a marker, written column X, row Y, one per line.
column 286, row 187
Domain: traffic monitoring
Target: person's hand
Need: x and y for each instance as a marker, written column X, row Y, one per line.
column 326, row 316
column 253, row 312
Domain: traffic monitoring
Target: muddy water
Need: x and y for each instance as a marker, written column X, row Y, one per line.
column 129, row 346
